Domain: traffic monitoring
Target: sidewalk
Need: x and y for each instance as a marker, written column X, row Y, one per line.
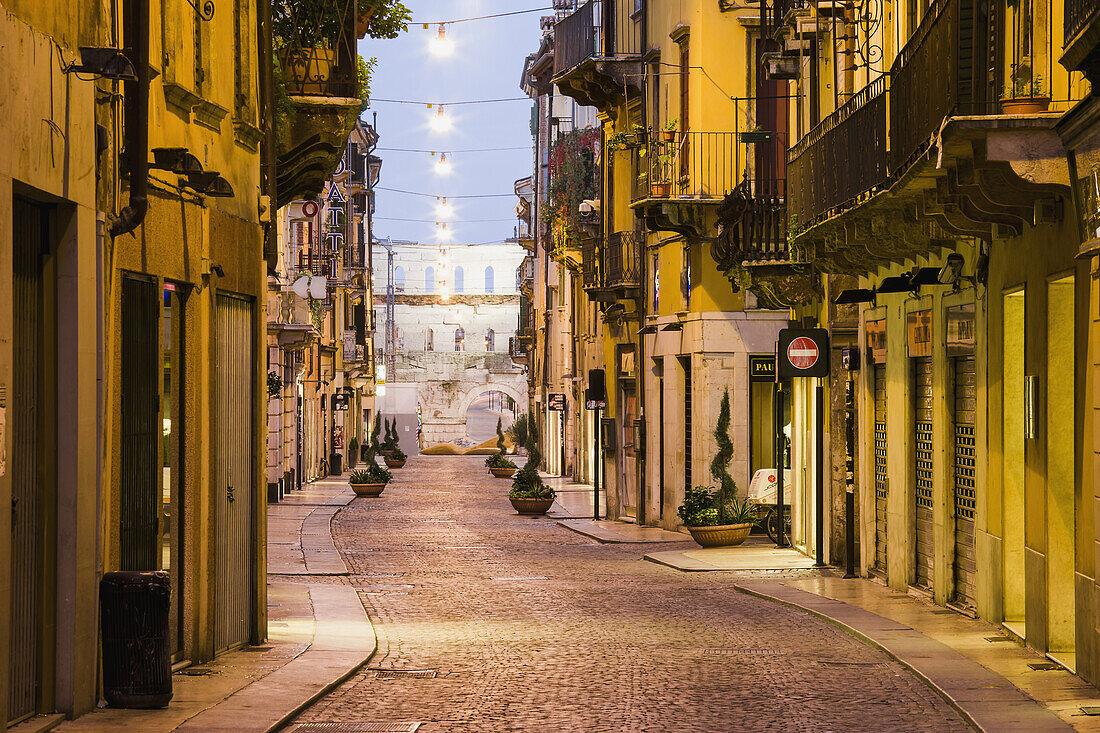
column 999, row 684
column 318, row 636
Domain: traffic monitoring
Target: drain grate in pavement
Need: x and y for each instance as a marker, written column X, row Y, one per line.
column 392, row 674
column 745, row 652
column 195, row 671
column 853, row 664
column 357, row 727
column 258, row 648
column 1045, row 666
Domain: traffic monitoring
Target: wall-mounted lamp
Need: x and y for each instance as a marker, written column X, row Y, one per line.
column 854, row 295
column 109, row 63
column 894, row 284
column 176, row 160
column 210, row 183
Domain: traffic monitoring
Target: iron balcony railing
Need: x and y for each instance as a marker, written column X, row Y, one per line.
column 690, row 165
column 623, row 253
column 1078, row 14
column 597, row 29
column 323, row 265
column 316, row 46
column 516, row 348
column 772, row 13
column 761, row 232
column 840, row 159
column 590, row 265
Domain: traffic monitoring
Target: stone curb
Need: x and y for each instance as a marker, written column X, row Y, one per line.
column 985, row 699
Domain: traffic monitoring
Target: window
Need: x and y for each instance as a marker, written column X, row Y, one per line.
column 460, row 339
column 488, row 279
column 430, row 341
column 458, row 279
column 490, row 339
column 429, row 280
column 399, row 280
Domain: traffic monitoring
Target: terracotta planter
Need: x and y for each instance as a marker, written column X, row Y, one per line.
column 385, row 452
column 531, row 506
column 1025, row 105
column 669, row 135
column 503, row 472
column 722, row 535
column 367, row 489
column 307, row 69
column 662, row 189
column 394, row 463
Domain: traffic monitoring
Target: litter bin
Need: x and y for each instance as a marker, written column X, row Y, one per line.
column 335, row 464
column 137, row 655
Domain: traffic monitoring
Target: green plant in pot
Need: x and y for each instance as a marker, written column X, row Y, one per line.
column 386, row 447
column 395, row 457
column 372, row 478
column 529, row 495
column 353, row 451
column 498, row 464
column 1025, row 95
column 518, row 431
column 669, row 133
column 717, row 517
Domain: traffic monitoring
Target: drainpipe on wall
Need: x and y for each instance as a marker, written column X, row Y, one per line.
column 640, row 362
column 137, row 122
column 267, row 124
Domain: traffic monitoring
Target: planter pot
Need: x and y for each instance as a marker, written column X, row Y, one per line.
column 723, row 535
column 1025, row 105
column 662, row 189
column 669, row 135
column 394, row 463
column 367, row 489
column 307, row 69
column 531, row 506
column 503, row 472
column 385, row 452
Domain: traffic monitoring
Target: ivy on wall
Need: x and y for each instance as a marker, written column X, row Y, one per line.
column 573, row 178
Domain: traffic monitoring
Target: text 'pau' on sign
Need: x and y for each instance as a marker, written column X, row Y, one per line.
column 803, row 352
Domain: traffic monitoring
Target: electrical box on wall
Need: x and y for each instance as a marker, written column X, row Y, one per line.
column 607, row 434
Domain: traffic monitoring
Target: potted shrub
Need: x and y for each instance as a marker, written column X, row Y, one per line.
column 662, row 188
column 529, row 495
column 396, row 458
column 497, row 463
column 353, row 451
column 669, row 133
column 372, row 478
column 1025, row 97
column 518, row 431
column 304, row 32
column 387, row 446
column 716, row 517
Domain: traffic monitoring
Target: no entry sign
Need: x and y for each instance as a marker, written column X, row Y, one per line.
column 802, row 352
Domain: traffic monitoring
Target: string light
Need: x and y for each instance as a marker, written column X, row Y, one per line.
column 440, row 45
column 440, row 121
column 443, row 166
column 443, row 209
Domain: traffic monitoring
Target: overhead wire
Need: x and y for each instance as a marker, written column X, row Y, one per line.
column 438, row 150
column 450, row 104
column 426, row 23
column 444, row 196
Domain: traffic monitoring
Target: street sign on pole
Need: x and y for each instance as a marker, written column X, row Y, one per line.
column 802, row 352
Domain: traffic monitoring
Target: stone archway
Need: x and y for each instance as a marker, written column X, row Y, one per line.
column 474, row 392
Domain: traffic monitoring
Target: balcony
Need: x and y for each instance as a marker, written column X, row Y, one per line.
column 318, row 264
column 680, row 180
column 624, row 263
column 517, row 350
column 1081, row 33
column 905, row 168
column 597, row 52
column 289, row 320
column 318, row 67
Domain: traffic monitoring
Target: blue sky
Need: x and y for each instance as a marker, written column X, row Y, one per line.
column 486, row 63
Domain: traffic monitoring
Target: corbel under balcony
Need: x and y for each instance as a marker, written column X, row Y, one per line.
column 601, row 82
column 310, row 143
column 690, row 218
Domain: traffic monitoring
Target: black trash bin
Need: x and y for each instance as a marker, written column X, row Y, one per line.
column 335, row 464
column 137, row 654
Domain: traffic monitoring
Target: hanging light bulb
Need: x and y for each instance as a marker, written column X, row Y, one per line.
column 440, row 121
column 440, row 44
column 443, row 209
column 443, row 166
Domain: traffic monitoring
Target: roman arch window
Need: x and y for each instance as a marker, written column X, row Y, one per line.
column 490, row 339
column 488, row 279
column 458, row 276
column 429, row 344
column 429, row 280
column 399, row 279
column 460, row 339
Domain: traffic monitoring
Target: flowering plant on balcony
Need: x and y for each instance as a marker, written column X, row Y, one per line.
column 573, row 179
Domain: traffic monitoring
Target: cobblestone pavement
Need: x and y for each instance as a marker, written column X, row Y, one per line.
column 531, row 627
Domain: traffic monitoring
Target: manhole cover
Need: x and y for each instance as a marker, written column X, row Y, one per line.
column 358, row 727
column 195, row 671
column 746, row 652
column 391, row 674
column 1045, row 666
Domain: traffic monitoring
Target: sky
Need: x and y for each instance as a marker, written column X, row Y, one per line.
column 486, row 63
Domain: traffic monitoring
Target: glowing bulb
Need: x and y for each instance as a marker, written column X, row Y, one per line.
column 440, row 44
column 440, row 121
column 443, row 166
column 443, row 209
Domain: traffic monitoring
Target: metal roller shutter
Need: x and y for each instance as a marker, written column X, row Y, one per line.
column 965, row 410
column 26, row 602
column 233, row 498
column 881, row 492
column 922, row 473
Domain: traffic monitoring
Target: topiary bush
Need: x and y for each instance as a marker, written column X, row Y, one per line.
column 498, row 459
column 527, row 484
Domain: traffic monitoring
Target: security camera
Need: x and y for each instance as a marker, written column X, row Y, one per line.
column 951, row 270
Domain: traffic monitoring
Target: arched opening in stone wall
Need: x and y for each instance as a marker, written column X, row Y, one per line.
column 482, row 414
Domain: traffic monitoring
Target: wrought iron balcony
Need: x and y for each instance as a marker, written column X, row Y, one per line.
column 841, row 159
column 597, row 51
column 624, row 258
column 1081, row 33
column 1078, row 15
column 692, row 166
column 517, row 350
column 315, row 263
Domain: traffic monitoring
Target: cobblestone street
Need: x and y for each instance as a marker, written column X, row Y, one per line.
column 531, row 627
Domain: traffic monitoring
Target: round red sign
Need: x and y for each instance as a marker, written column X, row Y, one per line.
column 802, row 353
